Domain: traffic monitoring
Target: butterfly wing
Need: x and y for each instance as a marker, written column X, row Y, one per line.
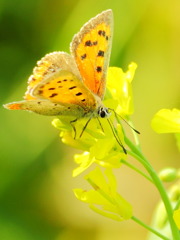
column 91, row 49
column 45, row 107
column 63, row 87
column 63, row 83
column 55, row 88
column 61, row 93
column 49, row 65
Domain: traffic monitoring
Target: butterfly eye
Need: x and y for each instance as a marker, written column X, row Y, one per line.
column 103, row 112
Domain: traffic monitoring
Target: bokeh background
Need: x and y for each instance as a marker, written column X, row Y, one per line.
column 36, row 198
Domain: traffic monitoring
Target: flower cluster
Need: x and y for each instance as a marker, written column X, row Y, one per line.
column 119, row 93
column 100, row 145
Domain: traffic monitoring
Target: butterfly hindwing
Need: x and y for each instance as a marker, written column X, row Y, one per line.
column 46, row 107
column 64, row 87
column 91, row 49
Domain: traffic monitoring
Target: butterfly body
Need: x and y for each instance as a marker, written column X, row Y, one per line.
column 73, row 84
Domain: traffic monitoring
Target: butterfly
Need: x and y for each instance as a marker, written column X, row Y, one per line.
column 73, row 84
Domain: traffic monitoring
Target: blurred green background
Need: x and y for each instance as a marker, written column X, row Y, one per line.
column 36, row 199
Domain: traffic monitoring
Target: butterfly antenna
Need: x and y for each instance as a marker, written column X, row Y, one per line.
column 85, row 126
column 71, row 122
column 117, row 139
column 117, row 115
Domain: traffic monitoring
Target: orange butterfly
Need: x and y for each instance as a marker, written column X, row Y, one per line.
column 73, row 84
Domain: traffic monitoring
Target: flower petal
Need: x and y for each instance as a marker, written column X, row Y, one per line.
column 166, row 121
column 176, row 217
column 119, row 85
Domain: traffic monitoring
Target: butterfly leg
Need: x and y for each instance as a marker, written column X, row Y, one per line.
column 100, row 124
column 116, row 136
column 85, row 126
column 71, row 122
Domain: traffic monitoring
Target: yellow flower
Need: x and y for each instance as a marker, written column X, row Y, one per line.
column 119, row 86
column 166, row 121
column 104, row 199
column 101, row 144
column 176, row 217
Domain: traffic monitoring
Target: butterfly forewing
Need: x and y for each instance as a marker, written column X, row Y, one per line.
column 91, row 49
column 48, row 66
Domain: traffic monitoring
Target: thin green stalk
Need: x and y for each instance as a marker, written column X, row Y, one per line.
column 139, row 156
column 177, row 205
column 137, row 170
column 149, row 228
column 136, row 139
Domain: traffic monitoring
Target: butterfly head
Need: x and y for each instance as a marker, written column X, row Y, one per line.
column 103, row 112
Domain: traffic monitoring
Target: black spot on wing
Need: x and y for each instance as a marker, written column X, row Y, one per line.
column 72, row 87
column 100, row 53
column 89, row 43
column 79, row 94
column 32, row 78
column 53, row 95
column 102, row 33
column 99, row 69
column 83, row 56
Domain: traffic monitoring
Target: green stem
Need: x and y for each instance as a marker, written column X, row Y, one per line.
column 139, row 156
column 149, row 228
column 136, row 169
column 177, row 205
column 136, row 139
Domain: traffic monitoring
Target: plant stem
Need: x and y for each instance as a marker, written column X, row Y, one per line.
column 177, row 205
column 136, row 139
column 139, row 156
column 149, row 228
column 137, row 170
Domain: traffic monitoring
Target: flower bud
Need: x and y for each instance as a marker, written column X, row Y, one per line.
column 168, row 174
